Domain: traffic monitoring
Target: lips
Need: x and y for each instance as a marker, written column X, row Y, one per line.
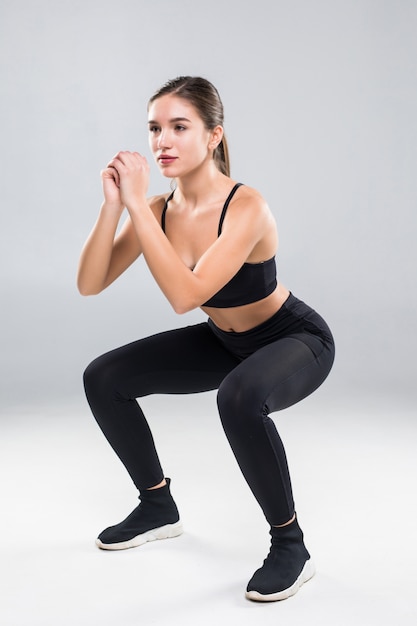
column 166, row 159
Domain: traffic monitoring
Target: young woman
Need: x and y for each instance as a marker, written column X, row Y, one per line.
column 211, row 243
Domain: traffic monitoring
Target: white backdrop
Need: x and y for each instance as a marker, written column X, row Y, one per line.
column 320, row 100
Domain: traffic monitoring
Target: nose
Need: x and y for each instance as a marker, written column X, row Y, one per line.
column 164, row 139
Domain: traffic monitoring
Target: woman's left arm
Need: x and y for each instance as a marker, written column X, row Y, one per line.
column 186, row 289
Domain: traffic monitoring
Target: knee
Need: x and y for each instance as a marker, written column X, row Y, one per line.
column 237, row 401
column 95, row 377
column 90, row 376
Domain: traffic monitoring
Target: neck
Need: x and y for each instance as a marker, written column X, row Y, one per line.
column 200, row 184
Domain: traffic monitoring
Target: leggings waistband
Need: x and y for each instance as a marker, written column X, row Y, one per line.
column 293, row 317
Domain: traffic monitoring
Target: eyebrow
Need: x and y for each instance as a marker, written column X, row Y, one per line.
column 172, row 121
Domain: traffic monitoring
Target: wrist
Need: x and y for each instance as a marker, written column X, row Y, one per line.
column 139, row 205
column 112, row 208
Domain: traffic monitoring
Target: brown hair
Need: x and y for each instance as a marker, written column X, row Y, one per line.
column 206, row 100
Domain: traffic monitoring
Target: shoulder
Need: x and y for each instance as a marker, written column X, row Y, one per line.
column 157, row 203
column 249, row 202
column 250, row 195
column 249, row 213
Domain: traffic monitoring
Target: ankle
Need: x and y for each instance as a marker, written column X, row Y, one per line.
column 158, row 486
column 286, row 523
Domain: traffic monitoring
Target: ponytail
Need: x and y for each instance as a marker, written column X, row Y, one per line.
column 221, row 157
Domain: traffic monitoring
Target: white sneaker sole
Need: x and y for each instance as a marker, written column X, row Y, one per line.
column 307, row 572
column 164, row 532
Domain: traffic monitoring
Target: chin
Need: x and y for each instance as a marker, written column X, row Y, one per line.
column 167, row 172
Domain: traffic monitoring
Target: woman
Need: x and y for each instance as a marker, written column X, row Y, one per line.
column 211, row 243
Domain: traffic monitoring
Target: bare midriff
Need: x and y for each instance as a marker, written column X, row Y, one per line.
column 241, row 318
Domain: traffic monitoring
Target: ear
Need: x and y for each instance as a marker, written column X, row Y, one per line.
column 216, row 135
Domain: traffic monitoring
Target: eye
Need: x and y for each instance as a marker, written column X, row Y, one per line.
column 154, row 128
column 179, row 127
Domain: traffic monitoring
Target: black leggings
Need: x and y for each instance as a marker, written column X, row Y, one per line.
column 256, row 373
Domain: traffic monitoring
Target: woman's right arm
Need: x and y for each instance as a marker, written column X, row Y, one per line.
column 106, row 256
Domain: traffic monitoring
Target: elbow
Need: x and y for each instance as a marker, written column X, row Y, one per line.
column 84, row 292
column 181, row 309
column 88, row 285
column 188, row 300
column 87, row 290
column 184, row 305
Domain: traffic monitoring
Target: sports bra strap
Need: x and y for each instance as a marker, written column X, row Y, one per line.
column 226, row 205
column 164, row 210
column 222, row 216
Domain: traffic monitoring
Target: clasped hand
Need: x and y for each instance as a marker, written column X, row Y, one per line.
column 126, row 176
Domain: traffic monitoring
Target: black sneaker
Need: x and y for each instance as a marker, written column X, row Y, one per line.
column 287, row 566
column 156, row 517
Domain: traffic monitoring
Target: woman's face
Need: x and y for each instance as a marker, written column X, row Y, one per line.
column 178, row 138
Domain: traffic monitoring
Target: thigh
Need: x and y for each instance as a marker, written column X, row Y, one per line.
column 185, row 360
column 281, row 373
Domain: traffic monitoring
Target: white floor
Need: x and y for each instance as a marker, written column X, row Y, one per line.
column 354, row 480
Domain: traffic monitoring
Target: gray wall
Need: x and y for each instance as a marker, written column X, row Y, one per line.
column 320, row 99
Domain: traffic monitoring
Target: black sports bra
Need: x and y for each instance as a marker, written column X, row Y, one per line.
column 253, row 282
